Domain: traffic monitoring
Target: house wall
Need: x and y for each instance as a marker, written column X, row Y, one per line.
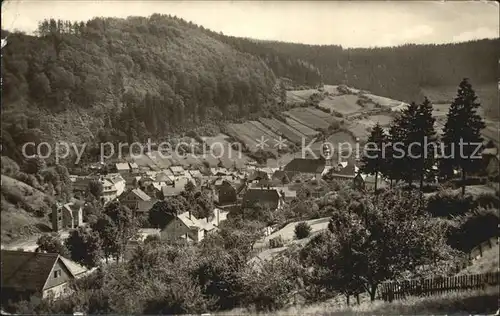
column 57, row 285
column 67, row 219
column 57, row 222
column 77, row 217
column 174, row 230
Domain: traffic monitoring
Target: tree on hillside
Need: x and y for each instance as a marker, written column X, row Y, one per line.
column 123, row 223
column 85, row 247
column 462, row 133
column 373, row 160
column 384, row 239
column 424, row 137
column 407, row 127
column 162, row 213
column 96, row 188
column 52, row 244
column 108, row 233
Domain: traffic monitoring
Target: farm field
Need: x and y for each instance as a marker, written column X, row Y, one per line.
column 302, row 115
column 331, row 89
column 323, row 115
column 239, row 133
column 281, row 128
column 309, row 132
column 229, row 156
column 266, row 132
column 340, row 137
column 344, row 104
column 288, row 232
column 299, row 96
column 370, row 121
column 383, row 101
column 359, row 130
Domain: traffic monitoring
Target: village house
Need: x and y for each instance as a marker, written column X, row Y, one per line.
column 67, row 216
column 315, row 168
column 344, row 172
column 367, row 182
column 266, row 198
column 109, row 191
column 134, row 168
column 121, row 167
column 176, row 188
column 225, row 193
column 178, row 171
column 44, row 275
column 280, row 177
column 186, row 227
column 80, row 184
column 118, row 182
column 132, row 198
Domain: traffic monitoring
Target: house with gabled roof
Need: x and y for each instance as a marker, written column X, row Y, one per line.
column 67, row 216
column 178, row 171
column 45, row 275
column 118, row 181
column 225, row 193
column 132, row 197
column 133, row 167
column 344, row 171
column 303, row 166
column 186, row 226
column 267, row 198
column 122, row 167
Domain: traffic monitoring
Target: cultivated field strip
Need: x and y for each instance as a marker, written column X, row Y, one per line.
column 325, row 116
column 307, row 119
column 309, row 132
column 344, row 104
column 283, row 129
column 267, row 133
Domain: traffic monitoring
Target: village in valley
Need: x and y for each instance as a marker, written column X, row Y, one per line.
column 150, row 165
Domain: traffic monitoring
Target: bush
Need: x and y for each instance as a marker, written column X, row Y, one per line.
column 474, row 228
column 449, row 204
column 487, row 200
column 302, row 230
column 276, row 242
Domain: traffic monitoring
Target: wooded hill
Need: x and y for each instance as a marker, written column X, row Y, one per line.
column 130, row 79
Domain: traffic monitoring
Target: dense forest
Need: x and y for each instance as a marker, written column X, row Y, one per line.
column 130, row 79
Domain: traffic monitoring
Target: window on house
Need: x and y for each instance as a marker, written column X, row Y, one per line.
column 57, row 273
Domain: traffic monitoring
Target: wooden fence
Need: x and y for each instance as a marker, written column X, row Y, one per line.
column 439, row 285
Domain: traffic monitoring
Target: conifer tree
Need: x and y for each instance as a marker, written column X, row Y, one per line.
column 462, row 133
column 402, row 132
column 423, row 136
column 373, row 162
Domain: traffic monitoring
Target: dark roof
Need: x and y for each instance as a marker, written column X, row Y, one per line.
column 261, row 196
column 224, row 185
column 306, row 165
column 27, row 270
column 258, row 175
column 349, row 170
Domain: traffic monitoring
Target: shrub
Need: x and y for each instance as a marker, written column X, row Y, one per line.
column 474, row 228
column 487, row 200
column 276, row 242
column 337, row 114
column 302, row 230
column 449, row 204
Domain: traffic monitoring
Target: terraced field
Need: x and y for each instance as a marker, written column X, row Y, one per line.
column 309, row 132
column 383, row 101
column 325, row 116
column 344, row 104
column 283, row 129
column 250, row 133
column 370, row 121
column 299, row 96
column 303, row 116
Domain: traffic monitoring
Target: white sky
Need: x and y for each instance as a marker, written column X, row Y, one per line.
column 350, row 24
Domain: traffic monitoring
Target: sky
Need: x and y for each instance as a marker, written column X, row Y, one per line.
column 346, row 23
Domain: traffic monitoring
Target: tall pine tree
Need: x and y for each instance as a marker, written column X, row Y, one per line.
column 462, row 133
column 423, row 136
column 402, row 134
column 373, row 162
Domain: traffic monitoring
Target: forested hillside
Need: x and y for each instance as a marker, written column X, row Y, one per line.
column 130, row 79
column 399, row 72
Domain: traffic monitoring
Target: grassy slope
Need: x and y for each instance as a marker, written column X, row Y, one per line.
column 489, row 262
column 18, row 220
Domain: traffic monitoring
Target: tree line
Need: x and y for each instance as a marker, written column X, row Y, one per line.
column 428, row 156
